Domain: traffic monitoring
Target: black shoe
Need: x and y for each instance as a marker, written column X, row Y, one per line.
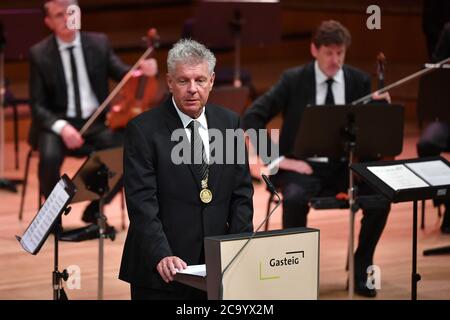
column 92, row 212
column 110, row 232
column 87, row 233
column 81, row 234
column 362, row 289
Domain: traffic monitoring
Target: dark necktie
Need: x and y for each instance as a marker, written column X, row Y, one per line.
column 329, row 99
column 198, row 155
column 76, row 87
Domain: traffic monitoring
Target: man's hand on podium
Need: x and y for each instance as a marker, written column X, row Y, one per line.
column 169, row 266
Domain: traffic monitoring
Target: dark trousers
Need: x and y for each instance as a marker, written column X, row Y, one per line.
column 328, row 180
column 434, row 140
column 52, row 151
column 183, row 292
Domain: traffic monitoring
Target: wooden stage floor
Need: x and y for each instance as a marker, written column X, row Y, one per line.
column 23, row 276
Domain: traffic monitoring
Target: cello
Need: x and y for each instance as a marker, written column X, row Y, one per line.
column 137, row 94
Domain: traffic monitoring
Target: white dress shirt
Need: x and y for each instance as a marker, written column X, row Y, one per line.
column 338, row 86
column 89, row 102
column 338, row 89
column 203, row 129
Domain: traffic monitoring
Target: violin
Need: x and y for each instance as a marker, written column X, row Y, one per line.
column 151, row 34
column 381, row 60
column 137, row 94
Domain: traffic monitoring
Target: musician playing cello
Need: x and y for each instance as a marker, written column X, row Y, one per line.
column 69, row 72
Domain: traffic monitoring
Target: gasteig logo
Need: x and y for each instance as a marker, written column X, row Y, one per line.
column 271, row 267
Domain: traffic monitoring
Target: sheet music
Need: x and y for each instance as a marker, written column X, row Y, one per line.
column 38, row 228
column 435, row 172
column 398, row 177
column 195, row 270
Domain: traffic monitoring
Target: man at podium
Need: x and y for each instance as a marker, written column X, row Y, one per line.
column 326, row 80
column 171, row 206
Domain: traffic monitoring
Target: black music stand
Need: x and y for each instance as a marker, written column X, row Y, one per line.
column 98, row 175
column 417, row 183
column 47, row 219
column 220, row 24
column 348, row 131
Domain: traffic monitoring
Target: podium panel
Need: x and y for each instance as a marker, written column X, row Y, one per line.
column 281, row 264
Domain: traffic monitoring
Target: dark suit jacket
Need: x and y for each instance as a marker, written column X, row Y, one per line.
column 48, row 91
column 443, row 46
column 290, row 96
column 166, row 215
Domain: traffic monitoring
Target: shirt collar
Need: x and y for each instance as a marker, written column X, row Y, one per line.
column 185, row 119
column 322, row 78
column 64, row 45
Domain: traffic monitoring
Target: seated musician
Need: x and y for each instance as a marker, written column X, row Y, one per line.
column 436, row 136
column 69, row 72
column 326, row 80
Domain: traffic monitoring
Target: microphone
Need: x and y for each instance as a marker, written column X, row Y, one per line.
column 269, row 184
column 272, row 190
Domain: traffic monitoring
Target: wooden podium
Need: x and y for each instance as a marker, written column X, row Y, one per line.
column 280, row 264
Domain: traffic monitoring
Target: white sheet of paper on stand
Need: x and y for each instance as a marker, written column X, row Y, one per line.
column 195, row 270
column 398, row 177
column 435, row 172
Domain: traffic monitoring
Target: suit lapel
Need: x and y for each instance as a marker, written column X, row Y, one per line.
column 56, row 61
column 173, row 123
column 309, row 85
column 88, row 54
column 348, row 86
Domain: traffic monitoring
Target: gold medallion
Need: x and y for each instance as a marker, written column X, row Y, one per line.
column 206, row 195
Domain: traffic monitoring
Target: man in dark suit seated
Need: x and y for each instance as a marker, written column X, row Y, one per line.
column 436, row 136
column 174, row 204
column 326, row 80
column 69, row 72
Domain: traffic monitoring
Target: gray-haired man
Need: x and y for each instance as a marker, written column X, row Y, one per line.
column 172, row 207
